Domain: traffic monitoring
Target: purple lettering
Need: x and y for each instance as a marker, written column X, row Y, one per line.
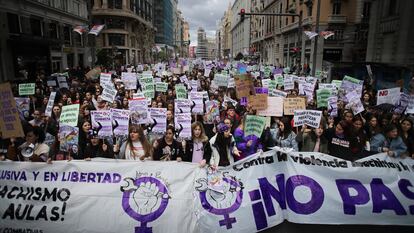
column 269, row 192
column 379, row 191
column 313, row 204
column 403, row 184
column 349, row 201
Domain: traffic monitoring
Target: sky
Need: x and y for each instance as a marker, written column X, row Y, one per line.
column 203, row 13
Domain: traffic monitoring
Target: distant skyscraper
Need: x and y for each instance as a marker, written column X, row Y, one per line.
column 202, row 51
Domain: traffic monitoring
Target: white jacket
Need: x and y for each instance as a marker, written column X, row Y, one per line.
column 215, row 156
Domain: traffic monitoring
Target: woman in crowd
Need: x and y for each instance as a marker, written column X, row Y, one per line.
column 389, row 142
column 223, row 147
column 407, row 135
column 84, row 132
column 313, row 140
column 167, row 148
column 342, row 142
column 362, row 139
column 98, row 148
column 136, row 147
column 197, row 150
column 371, row 126
column 246, row 144
column 33, row 149
column 284, row 136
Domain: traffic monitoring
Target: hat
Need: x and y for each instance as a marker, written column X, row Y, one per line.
column 221, row 128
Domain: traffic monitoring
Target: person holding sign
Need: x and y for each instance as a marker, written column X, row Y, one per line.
column 342, row 142
column 167, row 148
column 197, row 150
column 313, row 140
column 389, row 142
column 98, row 148
column 246, row 144
column 136, row 147
column 284, row 136
column 223, row 147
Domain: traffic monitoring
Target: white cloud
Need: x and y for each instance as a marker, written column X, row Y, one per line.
column 203, row 13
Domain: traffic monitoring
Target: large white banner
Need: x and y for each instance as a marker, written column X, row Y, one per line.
column 253, row 194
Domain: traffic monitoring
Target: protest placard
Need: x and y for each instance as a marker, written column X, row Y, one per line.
column 254, row 125
column 322, row 96
column 181, row 91
column 50, row 103
column 350, row 84
column 197, row 105
column 69, row 115
column 274, row 107
column 68, row 138
column 10, row 124
column 388, row 96
column 207, row 72
column 311, row 118
column 147, row 83
column 23, row 107
column 194, row 84
column 276, row 92
column 243, row 85
column 231, row 83
column 62, row 81
column 221, row 80
column 161, row 87
column 212, row 111
column 410, row 106
column 272, row 85
column 159, row 120
column 182, row 105
column 27, row 88
column 182, row 123
column 102, row 123
column 258, row 102
column 139, row 111
column 279, row 80
column 129, row 80
column 105, row 78
column 51, row 83
column 402, row 104
column 120, row 119
column 292, row 104
column 109, row 94
column 93, row 74
column 288, row 83
column 337, row 83
column 333, row 106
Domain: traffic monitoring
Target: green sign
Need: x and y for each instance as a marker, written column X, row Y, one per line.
column 272, row 85
column 27, row 89
column 337, row 83
column 351, row 79
column 267, row 71
column 161, row 87
column 180, row 91
column 254, row 125
column 279, row 80
column 322, row 96
column 70, row 115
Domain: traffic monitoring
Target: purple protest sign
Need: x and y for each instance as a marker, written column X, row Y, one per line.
column 243, row 101
column 261, row 90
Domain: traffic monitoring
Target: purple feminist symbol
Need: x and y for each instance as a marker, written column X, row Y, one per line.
column 230, row 199
column 150, row 196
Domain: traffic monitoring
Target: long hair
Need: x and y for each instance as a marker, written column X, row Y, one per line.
column 287, row 128
column 203, row 137
column 410, row 131
column 145, row 144
column 223, row 144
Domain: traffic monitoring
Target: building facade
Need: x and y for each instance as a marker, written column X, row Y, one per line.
column 202, row 44
column 186, row 38
column 240, row 30
column 164, row 24
column 211, row 48
column 38, row 35
column 391, row 33
column 223, row 35
column 129, row 33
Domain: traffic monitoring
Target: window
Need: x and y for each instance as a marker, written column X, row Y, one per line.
column 76, row 8
column 14, row 24
column 36, row 27
column 366, row 11
column 336, row 8
column 66, row 35
column 392, row 7
column 77, row 38
column 115, row 4
column 116, row 39
column 53, row 32
column 310, row 8
column 115, row 23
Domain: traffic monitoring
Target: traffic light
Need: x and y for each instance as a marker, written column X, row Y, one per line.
column 242, row 12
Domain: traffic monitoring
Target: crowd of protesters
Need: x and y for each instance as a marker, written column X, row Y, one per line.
column 220, row 143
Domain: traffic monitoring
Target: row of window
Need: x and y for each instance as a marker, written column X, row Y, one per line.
column 37, row 27
column 75, row 7
column 142, row 8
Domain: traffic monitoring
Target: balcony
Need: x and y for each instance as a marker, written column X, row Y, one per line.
column 337, row 19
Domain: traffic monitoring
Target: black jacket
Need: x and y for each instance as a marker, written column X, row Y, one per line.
column 189, row 147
